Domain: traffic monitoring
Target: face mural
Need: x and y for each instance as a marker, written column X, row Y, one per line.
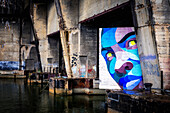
column 119, row 49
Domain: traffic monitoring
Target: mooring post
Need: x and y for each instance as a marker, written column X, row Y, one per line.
column 44, row 69
column 30, row 77
column 15, row 75
column 162, row 90
column 26, row 77
column 54, row 87
column 42, row 78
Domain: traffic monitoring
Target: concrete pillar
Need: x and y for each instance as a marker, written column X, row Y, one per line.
column 147, row 43
column 39, row 19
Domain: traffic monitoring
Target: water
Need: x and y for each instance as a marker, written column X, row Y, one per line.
column 15, row 97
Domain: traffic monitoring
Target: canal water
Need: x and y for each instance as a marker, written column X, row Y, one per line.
column 15, row 97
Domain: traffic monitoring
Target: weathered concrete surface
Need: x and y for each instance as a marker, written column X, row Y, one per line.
column 148, row 57
column 39, row 20
column 89, row 8
column 43, row 48
column 146, row 44
column 9, row 46
column 73, row 44
column 70, row 11
column 61, row 86
column 9, row 42
column 52, row 19
column 161, row 11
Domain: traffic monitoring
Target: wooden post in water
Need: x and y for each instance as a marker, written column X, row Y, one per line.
column 42, row 78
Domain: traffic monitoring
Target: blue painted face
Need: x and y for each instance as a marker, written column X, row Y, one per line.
column 119, row 49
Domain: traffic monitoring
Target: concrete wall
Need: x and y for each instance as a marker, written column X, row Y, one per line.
column 161, row 11
column 9, row 42
column 89, row 8
column 52, row 19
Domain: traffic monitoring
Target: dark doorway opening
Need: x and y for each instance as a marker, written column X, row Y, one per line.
column 56, row 52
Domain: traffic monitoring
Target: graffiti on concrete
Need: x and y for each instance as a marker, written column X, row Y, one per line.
column 9, row 65
column 74, row 60
column 74, row 70
column 119, row 49
column 82, row 71
column 150, row 68
column 149, row 57
column 92, row 71
column 2, row 43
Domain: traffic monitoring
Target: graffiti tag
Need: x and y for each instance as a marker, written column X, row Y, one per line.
column 74, row 60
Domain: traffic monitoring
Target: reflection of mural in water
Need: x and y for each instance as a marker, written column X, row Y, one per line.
column 9, row 65
column 119, row 49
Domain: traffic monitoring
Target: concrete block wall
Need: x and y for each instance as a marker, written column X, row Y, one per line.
column 88, row 48
column 161, row 11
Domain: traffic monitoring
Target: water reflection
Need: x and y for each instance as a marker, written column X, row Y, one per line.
column 15, row 97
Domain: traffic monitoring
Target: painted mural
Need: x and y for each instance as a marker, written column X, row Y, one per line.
column 118, row 50
column 9, row 65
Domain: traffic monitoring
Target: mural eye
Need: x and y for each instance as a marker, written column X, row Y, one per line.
column 110, row 56
column 132, row 43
